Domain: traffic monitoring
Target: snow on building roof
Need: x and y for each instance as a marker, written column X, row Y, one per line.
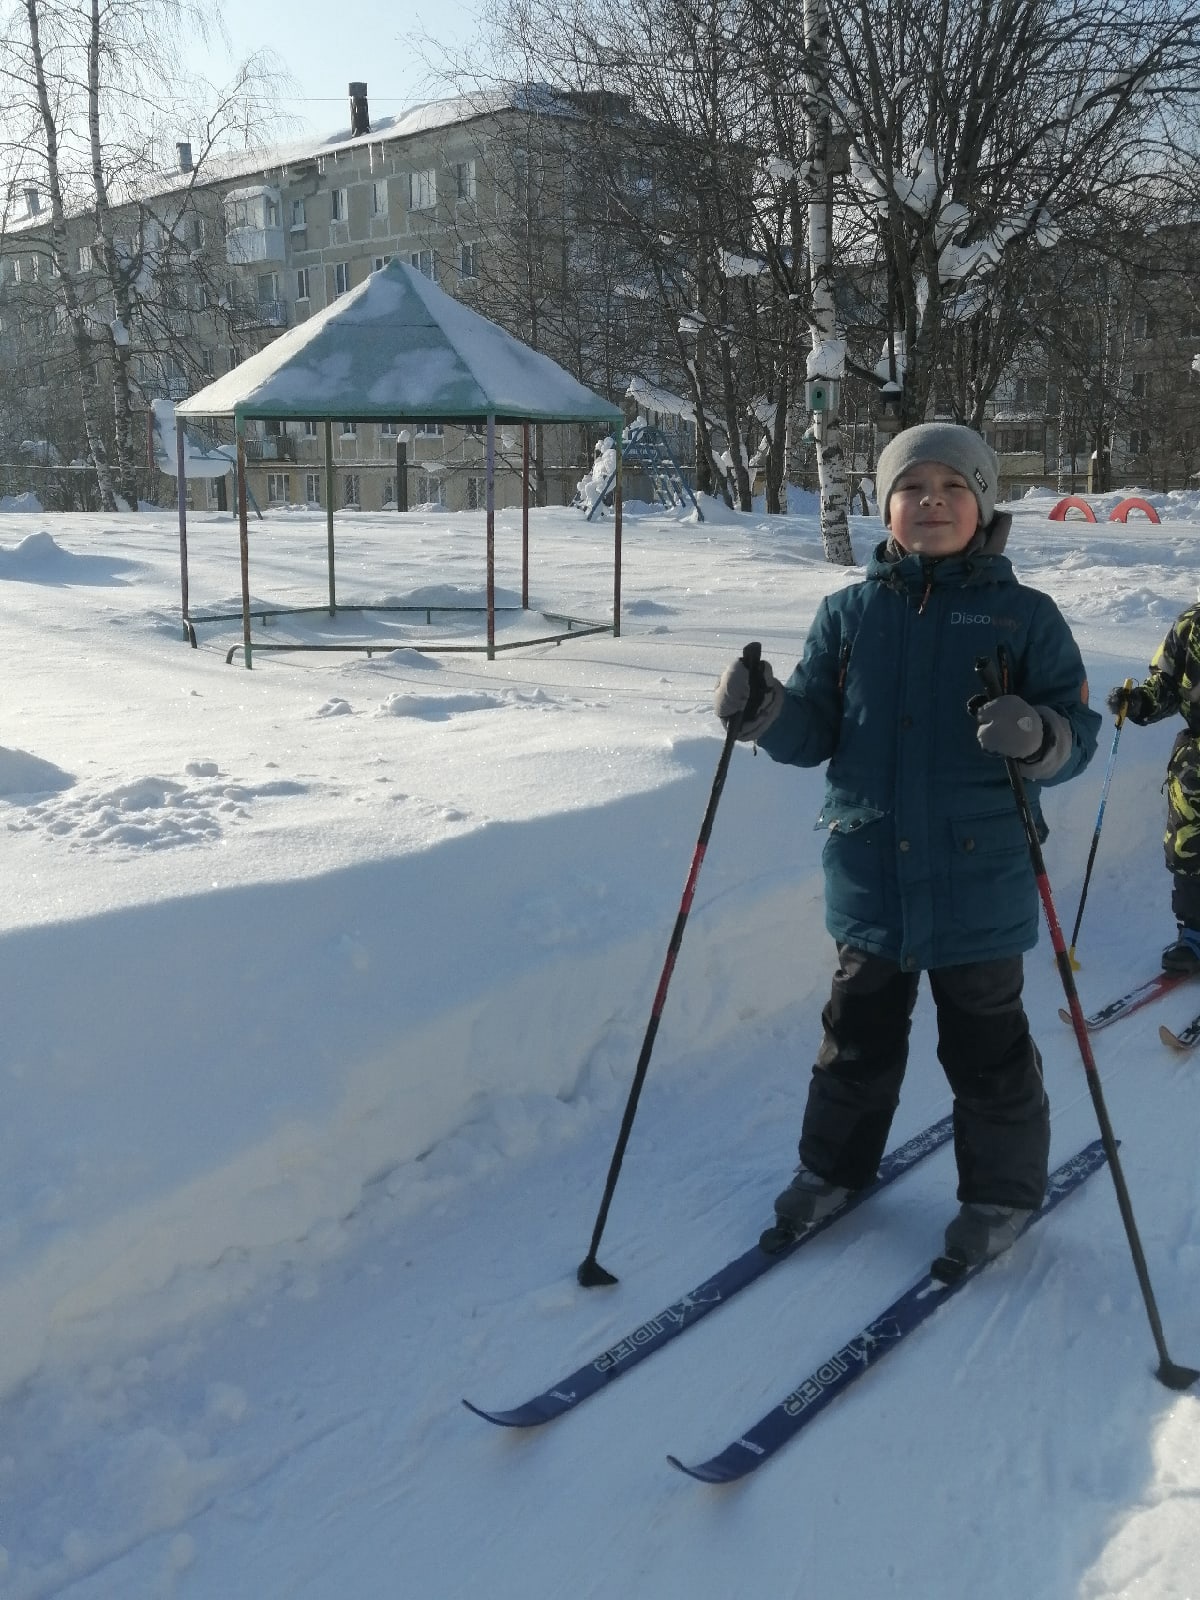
column 397, row 346
column 220, row 167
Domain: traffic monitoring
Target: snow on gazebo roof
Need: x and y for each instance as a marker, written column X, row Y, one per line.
column 398, row 347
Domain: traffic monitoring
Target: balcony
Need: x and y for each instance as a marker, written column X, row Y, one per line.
column 244, row 246
column 274, row 447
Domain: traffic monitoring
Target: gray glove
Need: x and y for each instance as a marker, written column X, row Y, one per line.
column 738, row 692
column 1009, row 726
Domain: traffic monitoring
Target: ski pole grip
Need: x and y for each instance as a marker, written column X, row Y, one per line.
column 989, row 673
column 752, row 661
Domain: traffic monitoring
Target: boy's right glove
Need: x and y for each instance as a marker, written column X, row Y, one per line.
column 753, row 691
column 1135, row 703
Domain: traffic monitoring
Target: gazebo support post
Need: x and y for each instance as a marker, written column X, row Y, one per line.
column 329, row 512
column 181, row 487
column 617, row 542
column 525, row 516
column 243, row 537
column 491, row 536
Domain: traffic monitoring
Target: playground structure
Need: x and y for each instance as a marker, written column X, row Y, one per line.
column 1119, row 513
column 646, row 451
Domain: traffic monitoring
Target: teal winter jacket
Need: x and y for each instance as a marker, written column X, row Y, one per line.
column 926, row 860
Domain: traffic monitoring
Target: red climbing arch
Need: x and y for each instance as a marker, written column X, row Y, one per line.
column 1133, row 502
column 1072, row 502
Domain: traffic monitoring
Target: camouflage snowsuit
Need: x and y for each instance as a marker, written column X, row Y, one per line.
column 1173, row 684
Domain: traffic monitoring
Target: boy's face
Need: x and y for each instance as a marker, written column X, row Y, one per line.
column 932, row 510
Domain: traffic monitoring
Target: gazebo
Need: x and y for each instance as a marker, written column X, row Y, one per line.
column 396, row 348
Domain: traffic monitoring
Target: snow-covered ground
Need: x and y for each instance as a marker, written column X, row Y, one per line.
column 323, row 985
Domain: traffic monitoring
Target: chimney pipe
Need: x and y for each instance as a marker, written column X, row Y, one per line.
column 183, row 150
column 360, row 117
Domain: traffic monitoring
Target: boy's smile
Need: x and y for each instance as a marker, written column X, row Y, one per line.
column 932, row 510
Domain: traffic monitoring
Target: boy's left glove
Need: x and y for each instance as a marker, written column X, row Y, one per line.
column 1009, row 726
column 751, row 692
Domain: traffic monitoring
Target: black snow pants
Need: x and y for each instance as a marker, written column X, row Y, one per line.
column 1001, row 1113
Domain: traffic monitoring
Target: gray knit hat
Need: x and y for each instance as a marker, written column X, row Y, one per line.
column 952, row 445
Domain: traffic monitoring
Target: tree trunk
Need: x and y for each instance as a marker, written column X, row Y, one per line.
column 831, row 466
column 118, row 274
column 89, row 389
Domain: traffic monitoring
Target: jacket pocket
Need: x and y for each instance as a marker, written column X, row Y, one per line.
column 992, row 888
column 859, row 882
column 839, row 815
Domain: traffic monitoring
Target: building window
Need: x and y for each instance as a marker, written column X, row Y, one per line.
column 430, row 430
column 271, row 209
column 1144, row 325
column 379, row 201
column 389, row 492
column 279, row 488
column 85, row 258
column 339, row 205
column 468, row 260
column 464, row 180
column 476, row 492
column 206, row 362
column 16, row 269
column 423, row 261
column 341, row 278
column 1139, row 442
column 1018, row 441
column 1141, row 385
column 388, row 430
column 235, row 356
column 422, row 190
column 311, row 429
column 312, row 488
column 429, row 489
column 301, row 283
column 380, row 263
column 350, row 489
column 299, row 220
column 349, row 430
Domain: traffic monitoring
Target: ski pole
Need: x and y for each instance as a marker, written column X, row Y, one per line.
column 590, row 1273
column 1169, row 1372
column 1087, row 876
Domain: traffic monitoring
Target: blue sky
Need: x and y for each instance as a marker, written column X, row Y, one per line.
column 324, row 53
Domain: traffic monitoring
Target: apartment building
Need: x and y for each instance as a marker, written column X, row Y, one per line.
column 1114, row 400
column 224, row 260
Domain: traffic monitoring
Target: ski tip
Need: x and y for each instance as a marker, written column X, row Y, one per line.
column 1065, row 1014
column 479, row 1411
column 1169, row 1038
column 519, row 1418
column 705, row 1471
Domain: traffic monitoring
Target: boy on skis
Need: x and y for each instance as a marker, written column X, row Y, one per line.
column 1173, row 685
column 926, row 863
